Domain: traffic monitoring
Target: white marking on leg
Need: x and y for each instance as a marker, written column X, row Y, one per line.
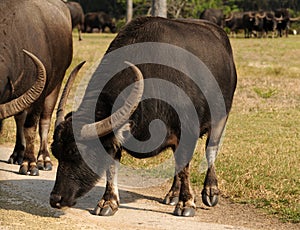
column 211, row 155
column 40, row 158
column 115, row 180
column 47, row 159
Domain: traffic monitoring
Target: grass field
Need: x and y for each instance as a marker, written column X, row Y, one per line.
column 260, row 158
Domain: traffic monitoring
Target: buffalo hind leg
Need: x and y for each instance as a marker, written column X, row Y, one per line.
column 210, row 192
column 44, row 162
column 110, row 201
column 20, row 145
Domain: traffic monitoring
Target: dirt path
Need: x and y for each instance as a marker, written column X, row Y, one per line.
column 24, row 202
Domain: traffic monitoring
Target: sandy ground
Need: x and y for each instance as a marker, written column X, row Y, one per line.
column 24, row 203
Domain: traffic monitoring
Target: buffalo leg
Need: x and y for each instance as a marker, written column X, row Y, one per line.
column 210, row 190
column 186, row 204
column 172, row 197
column 29, row 162
column 110, row 201
column 44, row 162
column 79, row 32
column 20, row 145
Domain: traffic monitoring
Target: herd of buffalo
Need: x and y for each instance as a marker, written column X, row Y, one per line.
column 89, row 21
column 36, row 49
column 254, row 23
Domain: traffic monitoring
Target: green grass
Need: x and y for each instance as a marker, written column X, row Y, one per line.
column 260, row 158
column 259, row 162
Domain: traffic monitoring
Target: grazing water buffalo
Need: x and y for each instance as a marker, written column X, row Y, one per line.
column 29, row 90
column 77, row 16
column 98, row 20
column 188, row 111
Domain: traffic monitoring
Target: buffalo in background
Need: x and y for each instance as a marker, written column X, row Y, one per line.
column 98, row 20
column 213, row 15
column 284, row 20
column 260, row 23
column 29, row 88
column 235, row 22
column 77, row 17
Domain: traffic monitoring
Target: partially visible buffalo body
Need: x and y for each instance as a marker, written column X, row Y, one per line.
column 235, row 22
column 98, row 20
column 155, row 39
column 258, row 26
column 270, row 23
column 284, row 20
column 29, row 25
column 248, row 22
column 77, row 16
column 213, row 15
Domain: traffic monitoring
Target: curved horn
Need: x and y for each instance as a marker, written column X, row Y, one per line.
column 230, row 18
column 251, row 14
column 25, row 100
column 279, row 19
column 119, row 117
column 294, row 19
column 60, row 114
column 269, row 18
column 261, row 16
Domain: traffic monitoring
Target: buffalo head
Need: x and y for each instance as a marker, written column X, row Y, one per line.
column 74, row 176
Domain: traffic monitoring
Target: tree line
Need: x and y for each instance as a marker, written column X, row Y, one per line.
column 187, row 8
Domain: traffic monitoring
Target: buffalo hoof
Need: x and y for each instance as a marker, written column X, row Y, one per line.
column 171, row 200
column 40, row 165
column 32, row 171
column 14, row 159
column 23, row 169
column 46, row 166
column 105, row 211
column 184, row 211
column 210, row 200
column 11, row 160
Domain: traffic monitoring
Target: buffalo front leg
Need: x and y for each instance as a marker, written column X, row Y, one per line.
column 110, row 201
column 44, row 162
column 186, row 204
column 79, row 32
column 172, row 197
column 29, row 162
column 20, row 145
column 210, row 192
